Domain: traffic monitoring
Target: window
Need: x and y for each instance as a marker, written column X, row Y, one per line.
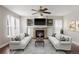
column 17, row 26
column 58, row 25
column 13, row 27
column 8, row 26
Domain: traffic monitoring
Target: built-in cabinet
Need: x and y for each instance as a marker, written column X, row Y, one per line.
column 53, row 25
column 48, row 22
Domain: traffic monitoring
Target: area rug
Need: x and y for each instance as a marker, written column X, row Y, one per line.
column 47, row 49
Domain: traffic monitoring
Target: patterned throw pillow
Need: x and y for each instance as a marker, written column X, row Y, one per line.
column 62, row 39
column 17, row 38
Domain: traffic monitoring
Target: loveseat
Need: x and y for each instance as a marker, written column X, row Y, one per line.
column 61, row 42
column 20, row 44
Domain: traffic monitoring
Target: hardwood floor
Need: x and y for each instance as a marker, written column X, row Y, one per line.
column 74, row 49
column 5, row 50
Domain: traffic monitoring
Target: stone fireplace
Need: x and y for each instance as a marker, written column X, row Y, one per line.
column 43, row 31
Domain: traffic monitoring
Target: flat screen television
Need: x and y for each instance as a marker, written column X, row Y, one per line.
column 39, row 21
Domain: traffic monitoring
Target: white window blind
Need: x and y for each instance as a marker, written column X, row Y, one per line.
column 13, row 26
column 58, row 26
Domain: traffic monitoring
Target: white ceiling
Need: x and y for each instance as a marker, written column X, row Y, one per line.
column 57, row 10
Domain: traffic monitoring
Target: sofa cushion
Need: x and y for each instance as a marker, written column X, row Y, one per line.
column 58, row 36
column 14, row 42
column 54, row 40
column 22, row 36
column 12, row 39
column 17, row 38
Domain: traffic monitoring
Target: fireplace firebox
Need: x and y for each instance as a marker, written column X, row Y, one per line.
column 40, row 33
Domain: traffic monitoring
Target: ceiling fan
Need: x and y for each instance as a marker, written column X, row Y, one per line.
column 41, row 11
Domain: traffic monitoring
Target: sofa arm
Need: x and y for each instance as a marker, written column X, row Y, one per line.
column 65, row 42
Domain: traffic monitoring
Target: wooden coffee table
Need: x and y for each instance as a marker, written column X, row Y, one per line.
column 39, row 42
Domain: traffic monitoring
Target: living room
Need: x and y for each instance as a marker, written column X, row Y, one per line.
column 28, row 22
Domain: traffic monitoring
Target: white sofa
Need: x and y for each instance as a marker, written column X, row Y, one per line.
column 60, row 45
column 20, row 44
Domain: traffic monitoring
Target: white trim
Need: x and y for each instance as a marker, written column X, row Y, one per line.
column 75, row 42
column 4, row 44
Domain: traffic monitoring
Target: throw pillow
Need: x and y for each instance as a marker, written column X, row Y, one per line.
column 62, row 39
column 66, row 38
column 58, row 36
column 54, row 34
column 12, row 39
column 17, row 38
column 26, row 34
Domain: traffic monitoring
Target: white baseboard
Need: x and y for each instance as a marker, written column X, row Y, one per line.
column 4, row 45
column 75, row 42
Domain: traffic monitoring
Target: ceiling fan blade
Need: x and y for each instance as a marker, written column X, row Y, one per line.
column 41, row 10
column 34, row 13
column 45, row 9
column 47, row 12
column 34, row 10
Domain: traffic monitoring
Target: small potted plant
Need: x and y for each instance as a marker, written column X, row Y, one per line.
column 61, row 31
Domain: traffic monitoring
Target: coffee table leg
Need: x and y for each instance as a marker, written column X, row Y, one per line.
column 35, row 44
column 43, row 44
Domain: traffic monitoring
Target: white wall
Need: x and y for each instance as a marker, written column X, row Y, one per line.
column 3, row 13
column 67, row 19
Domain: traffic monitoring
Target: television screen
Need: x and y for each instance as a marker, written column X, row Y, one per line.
column 40, row 21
